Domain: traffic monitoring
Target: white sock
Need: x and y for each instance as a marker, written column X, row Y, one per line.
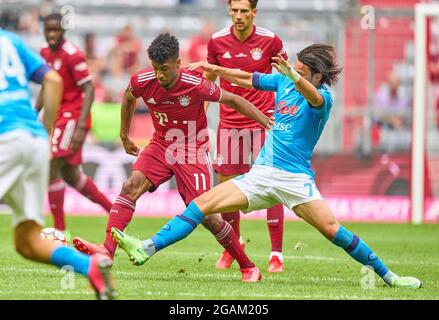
column 149, row 247
column 277, row 254
column 388, row 277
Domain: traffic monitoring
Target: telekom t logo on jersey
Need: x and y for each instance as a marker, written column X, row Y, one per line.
column 283, row 108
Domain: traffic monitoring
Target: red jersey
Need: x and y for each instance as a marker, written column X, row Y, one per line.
column 70, row 63
column 254, row 54
column 178, row 113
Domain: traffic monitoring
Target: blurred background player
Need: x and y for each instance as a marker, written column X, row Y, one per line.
column 247, row 47
column 72, row 123
column 24, row 160
column 282, row 172
column 179, row 146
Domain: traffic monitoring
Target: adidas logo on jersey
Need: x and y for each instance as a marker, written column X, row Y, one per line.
column 151, row 101
column 227, row 55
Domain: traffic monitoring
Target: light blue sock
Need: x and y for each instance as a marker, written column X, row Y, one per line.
column 66, row 256
column 359, row 250
column 178, row 227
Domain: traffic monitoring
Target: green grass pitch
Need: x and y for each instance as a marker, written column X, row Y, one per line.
column 317, row 270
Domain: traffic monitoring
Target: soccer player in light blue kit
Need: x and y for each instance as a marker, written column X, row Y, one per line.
column 24, row 160
column 282, row 172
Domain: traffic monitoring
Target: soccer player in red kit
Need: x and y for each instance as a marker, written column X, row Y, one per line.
column 249, row 48
column 175, row 97
column 72, row 123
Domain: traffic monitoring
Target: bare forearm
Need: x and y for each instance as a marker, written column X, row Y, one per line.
column 306, row 88
column 51, row 96
column 247, row 109
column 127, row 111
column 309, row 92
column 87, row 102
column 239, row 77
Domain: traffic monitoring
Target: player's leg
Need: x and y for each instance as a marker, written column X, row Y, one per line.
column 120, row 215
column 243, row 193
column 56, row 193
column 148, row 172
column 319, row 215
column 26, row 200
column 230, row 164
column 192, row 181
column 275, row 223
column 60, row 142
column 74, row 177
column 225, row 197
column 275, row 215
column 233, row 218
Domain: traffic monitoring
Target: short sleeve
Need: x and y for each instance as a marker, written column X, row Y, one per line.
column 79, row 69
column 279, row 48
column 324, row 110
column 211, row 53
column 134, row 87
column 267, row 82
column 209, row 91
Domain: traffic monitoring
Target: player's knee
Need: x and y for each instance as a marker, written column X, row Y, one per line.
column 70, row 178
column 131, row 188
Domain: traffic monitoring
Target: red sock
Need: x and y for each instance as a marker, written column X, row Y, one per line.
column 87, row 187
column 230, row 241
column 56, row 199
column 233, row 218
column 275, row 221
column 120, row 216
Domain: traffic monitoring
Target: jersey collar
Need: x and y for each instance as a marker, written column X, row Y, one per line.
column 234, row 36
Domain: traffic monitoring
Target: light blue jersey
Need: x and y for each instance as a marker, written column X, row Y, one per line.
column 18, row 65
column 298, row 126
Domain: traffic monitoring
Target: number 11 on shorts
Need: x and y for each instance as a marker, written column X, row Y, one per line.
column 197, row 181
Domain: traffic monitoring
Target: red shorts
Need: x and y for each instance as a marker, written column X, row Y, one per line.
column 61, row 140
column 237, row 149
column 192, row 179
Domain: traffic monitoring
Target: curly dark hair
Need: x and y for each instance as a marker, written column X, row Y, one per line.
column 165, row 46
column 321, row 58
column 53, row 16
column 253, row 3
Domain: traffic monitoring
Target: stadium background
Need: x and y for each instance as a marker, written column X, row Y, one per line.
column 362, row 165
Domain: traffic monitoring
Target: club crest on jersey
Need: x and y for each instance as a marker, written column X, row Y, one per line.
column 184, row 100
column 256, row 53
column 57, row 64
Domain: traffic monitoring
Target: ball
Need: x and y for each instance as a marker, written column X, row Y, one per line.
column 52, row 234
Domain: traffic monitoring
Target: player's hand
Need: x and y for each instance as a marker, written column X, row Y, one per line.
column 78, row 138
column 130, row 147
column 282, row 66
column 270, row 115
column 270, row 123
column 200, row 64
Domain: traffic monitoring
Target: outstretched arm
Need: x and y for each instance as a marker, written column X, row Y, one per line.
column 126, row 113
column 245, row 108
column 237, row 76
column 306, row 88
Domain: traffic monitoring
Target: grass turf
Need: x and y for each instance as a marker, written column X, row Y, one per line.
column 315, row 269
